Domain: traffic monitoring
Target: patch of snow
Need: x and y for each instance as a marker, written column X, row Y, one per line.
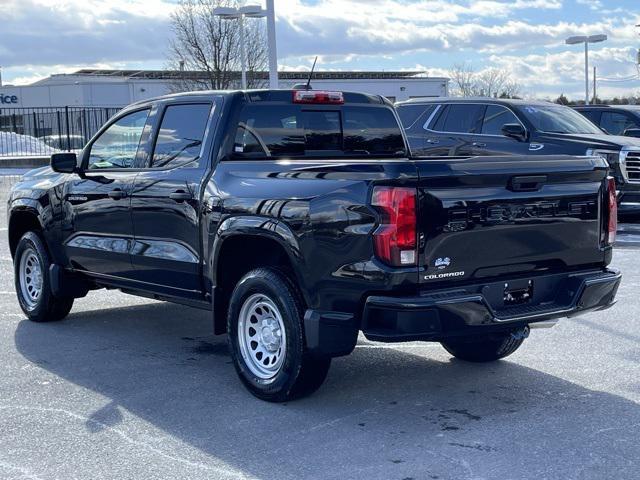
column 16, row 144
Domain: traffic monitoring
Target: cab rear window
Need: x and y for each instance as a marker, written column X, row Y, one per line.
column 267, row 131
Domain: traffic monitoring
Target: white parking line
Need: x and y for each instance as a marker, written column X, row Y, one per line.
column 394, row 346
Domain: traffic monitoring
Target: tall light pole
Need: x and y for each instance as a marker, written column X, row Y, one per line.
column 271, row 40
column 586, row 40
column 254, row 11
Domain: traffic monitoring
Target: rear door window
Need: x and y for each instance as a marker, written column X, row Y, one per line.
column 294, row 131
column 180, row 135
column 460, row 118
column 440, row 119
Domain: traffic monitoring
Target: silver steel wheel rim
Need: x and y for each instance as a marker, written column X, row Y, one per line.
column 30, row 278
column 261, row 336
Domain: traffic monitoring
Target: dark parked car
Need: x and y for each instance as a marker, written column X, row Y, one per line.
column 298, row 219
column 614, row 119
column 485, row 126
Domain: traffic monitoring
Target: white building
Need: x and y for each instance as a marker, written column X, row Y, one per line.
column 117, row 88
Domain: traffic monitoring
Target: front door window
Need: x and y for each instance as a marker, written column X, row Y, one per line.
column 117, row 146
column 496, row 117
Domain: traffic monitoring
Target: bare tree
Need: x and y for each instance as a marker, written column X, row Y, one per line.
column 205, row 49
column 511, row 89
column 463, row 77
column 257, row 53
column 491, row 82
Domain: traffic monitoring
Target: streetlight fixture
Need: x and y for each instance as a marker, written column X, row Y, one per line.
column 254, row 11
column 586, row 40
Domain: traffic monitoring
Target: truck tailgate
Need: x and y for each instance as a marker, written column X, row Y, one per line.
column 485, row 217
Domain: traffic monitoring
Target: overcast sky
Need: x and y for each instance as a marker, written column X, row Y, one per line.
column 41, row 37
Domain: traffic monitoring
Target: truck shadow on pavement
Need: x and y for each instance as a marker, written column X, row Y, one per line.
column 383, row 412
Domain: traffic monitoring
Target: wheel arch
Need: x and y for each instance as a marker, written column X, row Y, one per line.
column 243, row 244
column 22, row 219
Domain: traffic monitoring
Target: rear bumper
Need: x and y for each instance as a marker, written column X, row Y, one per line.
column 436, row 315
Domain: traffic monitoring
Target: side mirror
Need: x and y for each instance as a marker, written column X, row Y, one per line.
column 632, row 132
column 65, row 162
column 514, row 130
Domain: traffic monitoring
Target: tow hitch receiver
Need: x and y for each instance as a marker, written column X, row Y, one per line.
column 517, row 293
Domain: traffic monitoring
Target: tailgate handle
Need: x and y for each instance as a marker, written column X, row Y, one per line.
column 529, row 183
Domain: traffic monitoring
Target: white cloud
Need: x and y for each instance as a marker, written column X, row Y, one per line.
column 82, row 31
column 40, row 37
column 563, row 72
column 592, row 4
column 299, row 13
column 350, row 27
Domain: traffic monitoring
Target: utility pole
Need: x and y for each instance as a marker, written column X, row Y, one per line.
column 586, row 73
column 595, row 95
column 586, row 40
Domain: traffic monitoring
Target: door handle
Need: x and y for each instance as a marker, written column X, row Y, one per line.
column 180, row 196
column 479, row 144
column 117, row 194
column 433, row 141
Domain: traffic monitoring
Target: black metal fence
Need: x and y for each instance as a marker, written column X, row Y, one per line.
column 42, row 131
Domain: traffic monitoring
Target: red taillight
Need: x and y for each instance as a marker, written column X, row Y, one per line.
column 612, row 224
column 395, row 238
column 318, row 96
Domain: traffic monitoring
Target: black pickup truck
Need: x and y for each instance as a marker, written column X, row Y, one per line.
column 298, row 218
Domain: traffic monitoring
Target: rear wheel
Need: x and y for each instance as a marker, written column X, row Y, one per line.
column 266, row 338
column 486, row 348
column 33, row 287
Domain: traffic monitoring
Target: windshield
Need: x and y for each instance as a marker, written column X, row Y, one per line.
column 558, row 119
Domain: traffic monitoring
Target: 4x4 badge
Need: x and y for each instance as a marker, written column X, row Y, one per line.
column 442, row 263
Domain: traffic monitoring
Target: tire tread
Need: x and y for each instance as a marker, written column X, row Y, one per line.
column 308, row 372
column 51, row 308
column 484, row 349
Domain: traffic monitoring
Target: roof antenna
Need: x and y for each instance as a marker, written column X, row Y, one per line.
column 308, row 87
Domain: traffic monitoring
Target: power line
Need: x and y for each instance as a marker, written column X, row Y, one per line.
column 620, row 80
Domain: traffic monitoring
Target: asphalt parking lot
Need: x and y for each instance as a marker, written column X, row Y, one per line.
column 128, row 388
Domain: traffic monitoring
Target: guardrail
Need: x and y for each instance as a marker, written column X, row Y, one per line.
column 44, row 130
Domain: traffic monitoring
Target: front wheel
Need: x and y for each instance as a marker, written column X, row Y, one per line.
column 486, row 348
column 266, row 338
column 33, row 286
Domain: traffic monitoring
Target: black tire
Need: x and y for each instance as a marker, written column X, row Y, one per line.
column 300, row 373
column 486, row 348
column 46, row 307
